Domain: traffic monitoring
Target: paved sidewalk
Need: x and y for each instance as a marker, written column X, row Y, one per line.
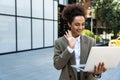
column 37, row 65
column 29, row 65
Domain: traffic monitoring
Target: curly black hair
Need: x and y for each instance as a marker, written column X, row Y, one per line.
column 71, row 11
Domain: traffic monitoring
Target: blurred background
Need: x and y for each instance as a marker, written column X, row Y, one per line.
column 33, row 24
column 28, row 29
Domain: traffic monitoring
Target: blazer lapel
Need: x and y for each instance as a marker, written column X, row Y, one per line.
column 83, row 56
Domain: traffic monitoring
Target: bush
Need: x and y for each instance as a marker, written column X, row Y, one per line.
column 91, row 34
column 88, row 33
column 98, row 38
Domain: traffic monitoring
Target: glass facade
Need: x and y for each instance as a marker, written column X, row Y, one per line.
column 23, row 33
column 7, row 34
column 37, row 33
column 23, row 8
column 63, row 2
column 48, row 32
column 37, row 8
column 27, row 24
column 7, row 7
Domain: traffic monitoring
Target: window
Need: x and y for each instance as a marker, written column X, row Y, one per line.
column 24, row 33
column 7, row 7
column 7, row 31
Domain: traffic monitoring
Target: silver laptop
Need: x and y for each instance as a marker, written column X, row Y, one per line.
column 109, row 55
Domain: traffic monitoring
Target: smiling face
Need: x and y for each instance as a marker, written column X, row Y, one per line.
column 77, row 25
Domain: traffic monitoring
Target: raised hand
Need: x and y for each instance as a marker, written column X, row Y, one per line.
column 70, row 38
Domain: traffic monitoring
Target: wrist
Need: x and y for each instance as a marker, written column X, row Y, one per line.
column 71, row 46
column 70, row 49
column 97, row 75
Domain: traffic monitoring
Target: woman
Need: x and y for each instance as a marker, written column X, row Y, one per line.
column 73, row 48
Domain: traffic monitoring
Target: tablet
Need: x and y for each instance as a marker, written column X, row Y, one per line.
column 109, row 55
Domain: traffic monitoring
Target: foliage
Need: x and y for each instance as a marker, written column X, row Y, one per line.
column 98, row 38
column 118, row 34
column 88, row 33
column 108, row 12
column 91, row 34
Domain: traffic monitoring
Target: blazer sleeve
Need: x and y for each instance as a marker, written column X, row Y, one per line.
column 61, row 55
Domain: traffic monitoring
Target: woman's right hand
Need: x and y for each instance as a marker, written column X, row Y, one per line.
column 70, row 38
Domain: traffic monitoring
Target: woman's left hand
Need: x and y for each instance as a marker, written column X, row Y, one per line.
column 98, row 70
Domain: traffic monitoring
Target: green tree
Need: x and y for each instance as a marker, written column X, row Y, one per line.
column 108, row 12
